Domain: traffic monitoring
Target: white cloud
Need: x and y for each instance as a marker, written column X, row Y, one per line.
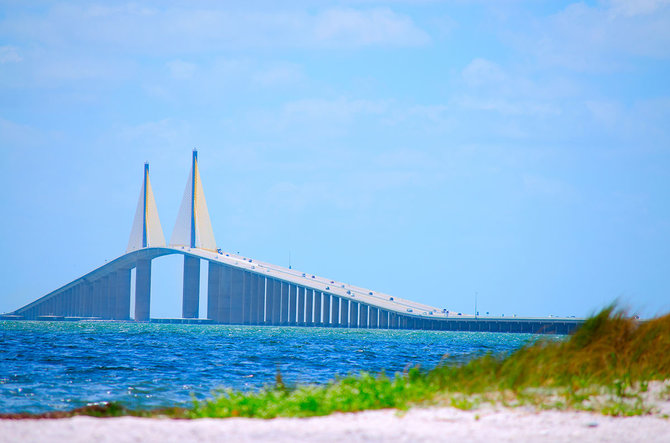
column 539, row 185
column 596, row 39
column 191, row 30
column 180, row 69
column 492, row 88
column 481, row 71
column 167, row 134
column 509, row 107
column 337, row 109
column 636, row 7
column 279, row 75
column 607, row 112
column 348, row 27
column 9, row 54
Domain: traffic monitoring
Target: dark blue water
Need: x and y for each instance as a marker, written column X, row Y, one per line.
column 47, row 366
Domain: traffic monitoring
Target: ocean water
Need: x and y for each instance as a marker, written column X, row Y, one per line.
column 47, row 366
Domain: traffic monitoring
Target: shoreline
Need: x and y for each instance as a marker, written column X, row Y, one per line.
column 488, row 423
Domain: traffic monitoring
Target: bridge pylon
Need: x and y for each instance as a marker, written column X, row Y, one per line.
column 193, row 229
column 146, row 233
column 147, row 230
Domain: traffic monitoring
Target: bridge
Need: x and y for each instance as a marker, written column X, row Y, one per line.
column 241, row 290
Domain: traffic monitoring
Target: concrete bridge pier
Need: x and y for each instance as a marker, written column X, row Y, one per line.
column 326, row 309
column 383, row 319
column 213, row 289
column 276, row 302
column 293, row 305
column 249, row 288
column 301, row 306
column 284, row 304
column 318, row 315
column 122, row 294
column 142, row 290
column 374, row 316
column 236, row 296
column 78, row 302
column 252, row 283
column 353, row 318
column 99, row 298
column 363, row 316
column 393, row 320
column 85, row 295
column 269, row 300
column 108, row 297
column 335, row 311
column 309, row 307
column 224, row 295
column 260, row 300
column 191, row 287
column 344, row 313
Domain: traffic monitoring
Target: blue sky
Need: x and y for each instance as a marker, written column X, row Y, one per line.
column 517, row 150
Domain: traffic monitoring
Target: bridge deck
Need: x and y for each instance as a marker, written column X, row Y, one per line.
column 277, row 295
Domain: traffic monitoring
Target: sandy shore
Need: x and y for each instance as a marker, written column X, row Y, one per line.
column 429, row 424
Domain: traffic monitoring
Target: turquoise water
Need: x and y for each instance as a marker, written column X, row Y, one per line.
column 47, row 366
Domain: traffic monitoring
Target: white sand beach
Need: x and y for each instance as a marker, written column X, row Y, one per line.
column 418, row 424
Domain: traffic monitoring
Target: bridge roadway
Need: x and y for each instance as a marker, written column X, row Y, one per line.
column 246, row 291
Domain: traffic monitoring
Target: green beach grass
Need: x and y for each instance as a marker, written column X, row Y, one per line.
column 606, row 366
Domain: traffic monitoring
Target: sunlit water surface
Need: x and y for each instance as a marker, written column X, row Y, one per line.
column 48, row 366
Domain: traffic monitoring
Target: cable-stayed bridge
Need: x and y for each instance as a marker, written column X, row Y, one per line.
column 242, row 290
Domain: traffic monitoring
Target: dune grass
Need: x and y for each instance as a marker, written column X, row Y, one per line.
column 605, row 366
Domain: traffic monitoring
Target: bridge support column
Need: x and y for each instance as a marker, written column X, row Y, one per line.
column 86, row 290
column 269, row 300
column 225, row 294
column 276, row 302
column 122, row 294
column 109, row 302
column 142, row 290
column 309, row 307
column 95, row 298
column 191, row 287
column 393, row 320
column 301, row 306
column 252, row 283
column 260, row 300
column 64, row 303
column 81, row 299
column 318, row 315
column 213, row 290
column 284, row 304
column 293, row 305
column 363, row 316
column 249, row 288
column 344, row 313
column 383, row 319
column 326, row 309
column 236, row 296
column 100, row 298
column 74, row 300
column 374, row 316
column 353, row 320
column 335, row 311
